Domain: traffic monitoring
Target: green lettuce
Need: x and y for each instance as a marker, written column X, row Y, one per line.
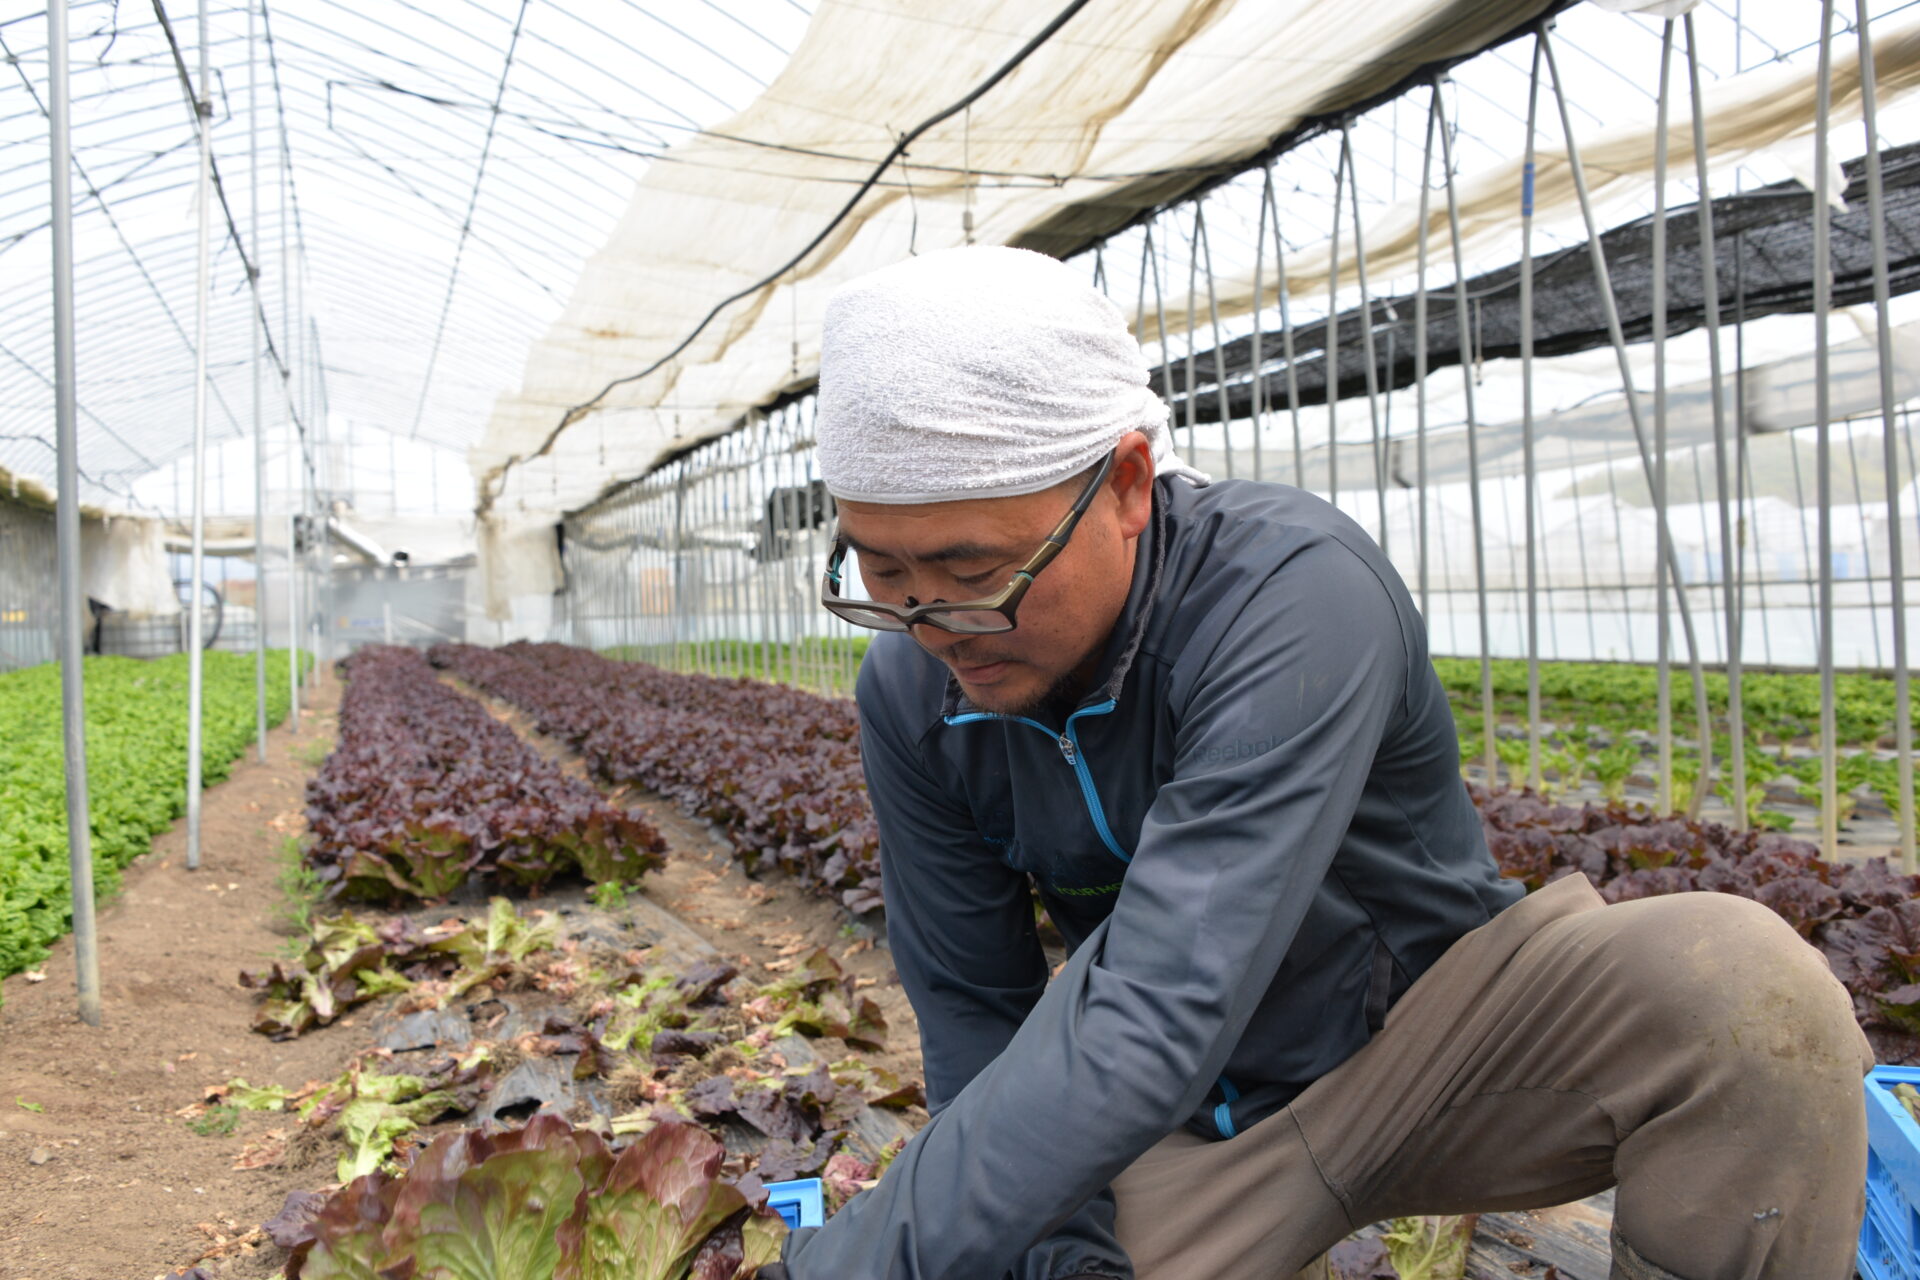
column 546, row 1202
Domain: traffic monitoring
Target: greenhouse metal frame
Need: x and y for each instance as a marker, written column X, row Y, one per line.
column 702, row 546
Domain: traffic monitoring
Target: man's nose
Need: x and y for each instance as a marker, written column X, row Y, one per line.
column 933, row 639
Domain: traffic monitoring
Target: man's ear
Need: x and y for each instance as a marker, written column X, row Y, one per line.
column 1132, row 483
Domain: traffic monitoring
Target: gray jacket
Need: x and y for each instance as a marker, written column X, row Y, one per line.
column 1252, row 833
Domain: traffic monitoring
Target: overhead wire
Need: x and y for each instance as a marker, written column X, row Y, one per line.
column 491, row 487
column 466, row 224
column 233, row 228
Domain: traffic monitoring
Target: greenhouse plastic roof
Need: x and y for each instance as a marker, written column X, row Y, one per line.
column 494, row 211
column 432, row 177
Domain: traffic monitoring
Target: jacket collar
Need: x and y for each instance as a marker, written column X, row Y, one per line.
column 1123, row 642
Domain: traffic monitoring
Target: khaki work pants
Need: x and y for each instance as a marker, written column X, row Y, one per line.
column 1690, row 1049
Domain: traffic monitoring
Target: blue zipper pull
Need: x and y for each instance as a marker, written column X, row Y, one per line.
column 1066, row 747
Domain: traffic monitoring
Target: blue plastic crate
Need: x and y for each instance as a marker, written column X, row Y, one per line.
column 803, row 1202
column 1890, row 1232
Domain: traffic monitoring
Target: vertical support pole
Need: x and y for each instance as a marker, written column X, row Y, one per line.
column 1205, row 242
column 1663, row 613
column 296, row 624
column 677, row 621
column 1896, row 569
column 297, row 444
column 1535, row 779
column 73, row 711
column 1366, row 333
column 1823, row 412
column 1731, row 604
column 1193, row 303
column 1331, row 342
column 1160, row 322
column 1420, row 356
column 1257, row 385
column 1286, row 333
column 203, row 119
column 1744, row 489
column 768, row 634
column 1586, row 580
column 1489, row 722
column 326, row 616
column 259, row 423
column 823, row 674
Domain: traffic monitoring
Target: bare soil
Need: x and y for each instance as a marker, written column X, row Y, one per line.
column 105, row 1182
column 99, row 1179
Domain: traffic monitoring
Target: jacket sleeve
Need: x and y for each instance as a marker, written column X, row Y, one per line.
column 1131, row 1034
column 960, row 924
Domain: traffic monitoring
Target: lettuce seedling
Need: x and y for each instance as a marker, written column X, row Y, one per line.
column 547, row 1202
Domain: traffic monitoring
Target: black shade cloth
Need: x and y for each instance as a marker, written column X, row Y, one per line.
column 1763, row 247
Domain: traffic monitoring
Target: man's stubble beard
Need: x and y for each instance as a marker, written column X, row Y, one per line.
column 1052, row 703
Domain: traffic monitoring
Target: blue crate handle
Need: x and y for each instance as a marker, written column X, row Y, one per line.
column 802, row 1202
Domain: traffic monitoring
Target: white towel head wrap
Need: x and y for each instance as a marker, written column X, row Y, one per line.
column 977, row 373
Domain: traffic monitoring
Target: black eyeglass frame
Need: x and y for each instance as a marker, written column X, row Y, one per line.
column 881, row 616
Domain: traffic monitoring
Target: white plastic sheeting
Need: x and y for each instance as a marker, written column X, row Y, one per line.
column 123, row 564
column 1132, row 102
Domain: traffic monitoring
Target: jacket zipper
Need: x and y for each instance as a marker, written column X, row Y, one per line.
column 1070, row 748
column 1223, row 1114
column 1069, row 744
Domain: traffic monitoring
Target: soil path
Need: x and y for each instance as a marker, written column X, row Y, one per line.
column 103, row 1181
column 99, row 1180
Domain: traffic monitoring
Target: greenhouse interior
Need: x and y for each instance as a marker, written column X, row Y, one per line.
column 431, row 590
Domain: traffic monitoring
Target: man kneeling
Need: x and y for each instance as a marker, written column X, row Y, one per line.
column 1201, row 721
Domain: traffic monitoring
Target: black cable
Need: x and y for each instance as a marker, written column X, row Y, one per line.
column 466, row 223
column 498, row 481
column 195, row 107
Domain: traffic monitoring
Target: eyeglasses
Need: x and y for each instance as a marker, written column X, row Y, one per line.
column 990, row 615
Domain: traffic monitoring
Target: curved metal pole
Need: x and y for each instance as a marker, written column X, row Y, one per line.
column 1603, row 279
column 1491, row 758
column 1205, row 242
column 1257, row 388
column 66, row 513
column 1732, row 605
column 1420, row 354
column 1663, row 533
column 1876, row 220
column 1330, row 353
column 1160, row 322
column 1535, row 778
column 1286, row 336
column 1823, row 410
column 1193, row 303
column 1366, row 330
